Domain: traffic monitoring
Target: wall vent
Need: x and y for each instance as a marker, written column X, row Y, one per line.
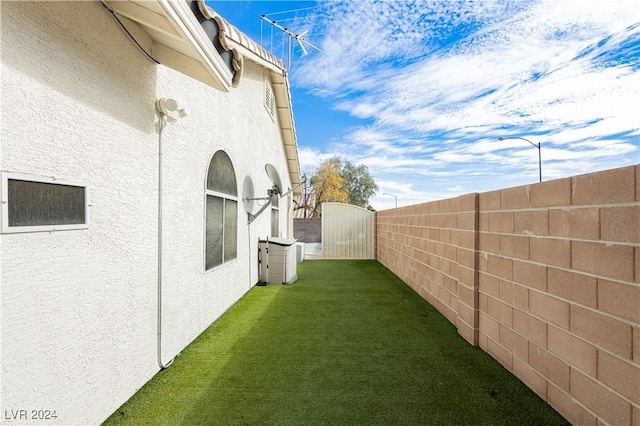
column 269, row 99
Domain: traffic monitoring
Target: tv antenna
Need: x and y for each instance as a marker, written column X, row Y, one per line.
column 302, row 41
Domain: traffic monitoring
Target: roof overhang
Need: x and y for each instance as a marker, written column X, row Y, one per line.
column 169, row 33
column 172, row 33
column 281, row 92
column 232, row 39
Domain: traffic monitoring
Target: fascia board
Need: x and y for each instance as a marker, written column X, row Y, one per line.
column 281, row 91
column 248, row 54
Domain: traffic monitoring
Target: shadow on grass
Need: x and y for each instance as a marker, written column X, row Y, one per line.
column 348, row 343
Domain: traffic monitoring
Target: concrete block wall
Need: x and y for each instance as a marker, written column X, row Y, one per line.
column 432, row 247
column 545, row 278
column 307, row 230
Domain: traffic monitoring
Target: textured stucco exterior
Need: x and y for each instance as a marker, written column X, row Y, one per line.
column 79, row 308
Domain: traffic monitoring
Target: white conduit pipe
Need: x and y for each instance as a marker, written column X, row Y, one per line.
column 160, row 363
column 166, row 107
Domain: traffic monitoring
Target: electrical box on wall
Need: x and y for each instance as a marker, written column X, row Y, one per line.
column 277, row 261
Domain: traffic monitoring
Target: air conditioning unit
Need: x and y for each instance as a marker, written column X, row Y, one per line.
column 277, row 261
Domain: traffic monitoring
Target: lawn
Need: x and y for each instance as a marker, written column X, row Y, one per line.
column 348, row 344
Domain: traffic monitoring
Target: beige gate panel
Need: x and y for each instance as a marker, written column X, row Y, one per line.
column 347, row 232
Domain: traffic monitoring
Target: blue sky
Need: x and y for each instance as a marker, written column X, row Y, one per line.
column 420, row 91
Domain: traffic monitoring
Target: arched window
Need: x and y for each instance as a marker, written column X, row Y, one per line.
column 222, row 212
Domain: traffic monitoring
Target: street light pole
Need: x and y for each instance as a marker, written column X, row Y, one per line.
column 394, row 196
column 538, row 145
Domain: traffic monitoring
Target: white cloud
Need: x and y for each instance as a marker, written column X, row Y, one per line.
column 310, row 158
column 551, row 71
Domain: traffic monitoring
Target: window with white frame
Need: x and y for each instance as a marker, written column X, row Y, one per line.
column 275, row 218
column 32, row 203
column 221, row 220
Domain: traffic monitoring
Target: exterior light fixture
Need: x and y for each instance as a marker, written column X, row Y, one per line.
column 539, row 152
column 394, row 196
column 167, row 107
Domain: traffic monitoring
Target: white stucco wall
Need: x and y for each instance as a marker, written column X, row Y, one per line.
column 247, row 134
column 79, row 308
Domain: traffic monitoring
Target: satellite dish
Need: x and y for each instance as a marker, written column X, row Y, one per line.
column 275, row 178
column 272, row 197
column 248, row 199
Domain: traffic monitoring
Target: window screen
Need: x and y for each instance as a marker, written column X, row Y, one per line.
column 33, row 203
column 221, row 176
column 230, row 229
column 275, row 222
column 215, row 224
column 222, row 212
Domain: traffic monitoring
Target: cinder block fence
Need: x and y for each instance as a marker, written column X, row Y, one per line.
column 307, row 230
column 543, row 277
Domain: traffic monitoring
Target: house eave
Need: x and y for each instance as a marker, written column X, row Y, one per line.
column 282, row 93
column 169, row 33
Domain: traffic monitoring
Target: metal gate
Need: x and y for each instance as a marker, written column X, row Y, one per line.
column 347, row 232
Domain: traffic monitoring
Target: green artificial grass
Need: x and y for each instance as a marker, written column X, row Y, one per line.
column 347, row 344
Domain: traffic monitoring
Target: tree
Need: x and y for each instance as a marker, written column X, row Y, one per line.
column 305, row 202
column 360, row 183
column 328, row 184
column 339, row 181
